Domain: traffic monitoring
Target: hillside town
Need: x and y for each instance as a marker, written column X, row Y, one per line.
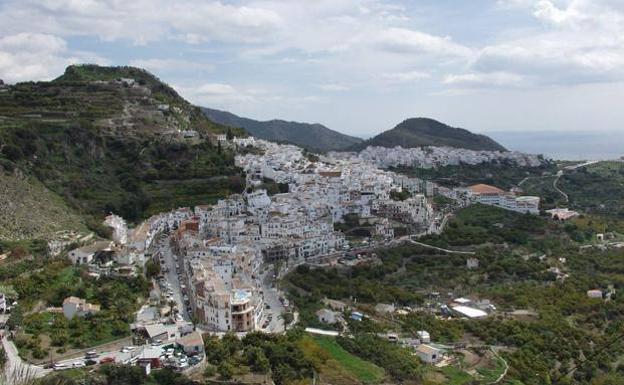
column 222, row 251
column 432, row 156
column 223, row 247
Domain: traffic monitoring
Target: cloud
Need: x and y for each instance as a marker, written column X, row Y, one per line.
column 160, row 66
column 140, row 21
column 333, row 87
column 497, row 79
column 405, row 77
column 578, row 41
column 35, row 56
column 217, row 94
column 404, row 40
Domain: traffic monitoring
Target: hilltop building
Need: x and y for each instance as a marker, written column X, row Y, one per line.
column 493, row 196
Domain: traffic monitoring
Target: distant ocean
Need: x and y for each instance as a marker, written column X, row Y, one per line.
column 565, row 145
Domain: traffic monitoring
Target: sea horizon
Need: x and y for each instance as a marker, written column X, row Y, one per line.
column 576, row 145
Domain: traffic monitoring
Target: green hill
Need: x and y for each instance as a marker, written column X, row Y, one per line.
column 110, row 139
column 314, row 137
column 419, row 132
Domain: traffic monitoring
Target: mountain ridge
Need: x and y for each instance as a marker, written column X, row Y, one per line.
column 312, row 136
column 421, row 132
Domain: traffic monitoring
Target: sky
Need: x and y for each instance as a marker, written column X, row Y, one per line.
column 357, row 66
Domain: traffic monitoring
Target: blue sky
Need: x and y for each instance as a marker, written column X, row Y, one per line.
column 359, row 67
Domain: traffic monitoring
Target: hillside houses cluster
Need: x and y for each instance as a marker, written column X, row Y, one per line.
column 130, row 248
column 222, row 278
column 222, row 246
column 431, row 157
column 333, row 187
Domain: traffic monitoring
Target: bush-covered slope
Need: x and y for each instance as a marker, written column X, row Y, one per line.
column 419, row 132
column 315, row 137
column 105, row 144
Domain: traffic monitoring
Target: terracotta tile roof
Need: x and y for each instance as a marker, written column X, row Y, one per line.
column 485, row 189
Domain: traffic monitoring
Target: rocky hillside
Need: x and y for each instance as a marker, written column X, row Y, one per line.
column 114, row 139
column 419, row 132
column 314, row 137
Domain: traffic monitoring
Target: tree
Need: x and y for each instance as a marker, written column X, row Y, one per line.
column 152, row 269
column 16, row 319
column 226, row 370
column 257, row 360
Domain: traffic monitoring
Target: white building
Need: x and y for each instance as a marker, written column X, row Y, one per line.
column 74, row 306
column 84, row 255
column 424, row 336
column 493, row 196
column 429, row 354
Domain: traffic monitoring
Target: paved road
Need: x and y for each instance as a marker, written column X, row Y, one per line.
column 16, row 370
column 172, row 276
column 271, row 298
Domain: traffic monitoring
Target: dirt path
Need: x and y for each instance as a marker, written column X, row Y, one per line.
column 441, row 249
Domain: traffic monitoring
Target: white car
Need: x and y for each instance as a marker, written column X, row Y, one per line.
column 78, row 364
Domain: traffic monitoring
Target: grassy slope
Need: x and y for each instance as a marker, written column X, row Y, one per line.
column 338, row 365
column 29, row 210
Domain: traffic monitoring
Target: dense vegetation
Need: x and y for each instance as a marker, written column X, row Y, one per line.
column 418, row 132
column 105, row 146
column 596, row 189
column 399, row 362
column 502, row 174
column 41, row 331
column 314, row 137
column 277, row 355
column 115, row 375
column 479, row 224
column 559, row 334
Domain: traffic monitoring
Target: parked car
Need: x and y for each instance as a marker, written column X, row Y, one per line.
column 107, row 360
column 78, row 364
